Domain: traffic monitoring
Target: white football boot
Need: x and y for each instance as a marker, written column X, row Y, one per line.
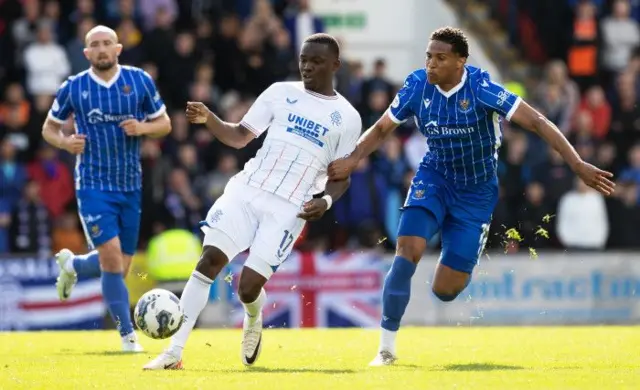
column 66, row 280
column 251, row 340
column 130, row 343
column 383, row 358
column 165, row 361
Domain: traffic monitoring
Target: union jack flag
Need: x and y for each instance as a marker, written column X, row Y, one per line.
column 317, row 290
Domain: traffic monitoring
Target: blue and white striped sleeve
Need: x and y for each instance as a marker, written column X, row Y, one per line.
column 496, row 97
column 61, row 107
column 153, row 105
column 401, row 107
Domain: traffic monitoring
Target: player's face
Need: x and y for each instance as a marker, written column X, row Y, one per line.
column 442, row 64
column 102, row 50
column 317, row 66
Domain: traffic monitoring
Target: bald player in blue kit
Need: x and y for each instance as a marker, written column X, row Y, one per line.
column 459, row 110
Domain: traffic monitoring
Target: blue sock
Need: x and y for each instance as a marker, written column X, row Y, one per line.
column 87, row 265
column 117, row 298
column 396, row 292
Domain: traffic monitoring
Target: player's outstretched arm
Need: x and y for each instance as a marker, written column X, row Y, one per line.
column 527, row 117
column 231, row 134
column 52, row 133
column 369, row 142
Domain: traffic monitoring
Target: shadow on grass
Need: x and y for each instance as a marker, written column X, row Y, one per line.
column 329, row 371
column 478, row 367
column 99, row 353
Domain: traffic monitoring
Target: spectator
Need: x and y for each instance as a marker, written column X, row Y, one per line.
column 301, row 22
column 620, row 35
column 582, row 218
column 31, row 224
column 632, row 173
column 54, row 180
column 13, row 175
column 595, row 104
column 568, row 93
column 46, row 63
column 75, row 46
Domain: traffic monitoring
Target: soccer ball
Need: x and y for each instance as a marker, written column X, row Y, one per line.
column 158, row 314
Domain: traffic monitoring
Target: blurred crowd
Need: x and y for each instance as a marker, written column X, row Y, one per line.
column 225, row 52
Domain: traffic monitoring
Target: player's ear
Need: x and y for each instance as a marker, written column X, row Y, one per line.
column 118, row 48
column 461, row 61
column 337, row 64
column 86, row 53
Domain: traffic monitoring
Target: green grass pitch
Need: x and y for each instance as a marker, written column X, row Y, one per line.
column 430, row 358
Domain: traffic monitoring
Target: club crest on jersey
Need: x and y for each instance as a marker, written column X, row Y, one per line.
column 418, row 194
column 336, row 118
column 464, row 106
column 126, row 89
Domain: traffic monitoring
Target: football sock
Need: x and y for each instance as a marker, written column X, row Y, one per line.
column 388, row 340
column 253, row 309
column 117, row 298
column 395, row 296
column 87, row 265
column 194, row 298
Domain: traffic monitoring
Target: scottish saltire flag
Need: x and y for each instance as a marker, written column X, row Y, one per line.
column 318, row 290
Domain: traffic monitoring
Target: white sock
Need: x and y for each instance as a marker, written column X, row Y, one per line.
column 253, row 309
column 388, row 340
column 194, row 299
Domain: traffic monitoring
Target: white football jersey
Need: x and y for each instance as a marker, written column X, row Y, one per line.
column 307, row 131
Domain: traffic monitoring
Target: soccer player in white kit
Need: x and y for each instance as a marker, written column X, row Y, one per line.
column 265, row 206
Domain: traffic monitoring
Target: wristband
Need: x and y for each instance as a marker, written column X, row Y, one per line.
column 329, row 201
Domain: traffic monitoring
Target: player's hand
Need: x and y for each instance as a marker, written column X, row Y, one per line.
column 132, row 127
column 313, row 209
column 197, row 112
column 74, row 144
column 596, row 178
column 340, row 169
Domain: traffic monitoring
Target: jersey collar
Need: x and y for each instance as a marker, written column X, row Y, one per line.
column 106, row 84
column 455, row 89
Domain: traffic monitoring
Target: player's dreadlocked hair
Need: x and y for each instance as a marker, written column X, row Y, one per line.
column 455, row 37
column 325, row 39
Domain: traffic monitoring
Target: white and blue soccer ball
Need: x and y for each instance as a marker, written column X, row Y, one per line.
column 158, row 314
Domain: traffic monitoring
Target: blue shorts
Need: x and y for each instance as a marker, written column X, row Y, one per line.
column 108, row 214
column 462, row 214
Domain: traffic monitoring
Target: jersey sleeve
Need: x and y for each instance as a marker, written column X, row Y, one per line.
column 349, row 138
column 260, row 114
column 61, row 107
column 496, row 97
column 153, row 105
column 401, row 110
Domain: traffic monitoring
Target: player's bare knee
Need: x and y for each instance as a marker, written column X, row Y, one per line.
column 446, row 294
column 411, row 248
column 211, row 262
column 250, row 285
column 447, row 289
column 111, row 257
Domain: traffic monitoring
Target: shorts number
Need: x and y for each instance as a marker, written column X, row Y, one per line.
column 286, row 242
column 483, row 238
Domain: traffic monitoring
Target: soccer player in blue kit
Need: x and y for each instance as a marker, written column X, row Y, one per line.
column 113, row 106
column 458, row 108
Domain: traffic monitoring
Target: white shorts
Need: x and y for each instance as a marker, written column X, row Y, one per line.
column 246, row 217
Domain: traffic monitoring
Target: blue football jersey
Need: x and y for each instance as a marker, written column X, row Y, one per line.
column 111, row 159
column 462, row 126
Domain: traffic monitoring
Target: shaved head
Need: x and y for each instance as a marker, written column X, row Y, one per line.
column 100, row 30
column 102, row 48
